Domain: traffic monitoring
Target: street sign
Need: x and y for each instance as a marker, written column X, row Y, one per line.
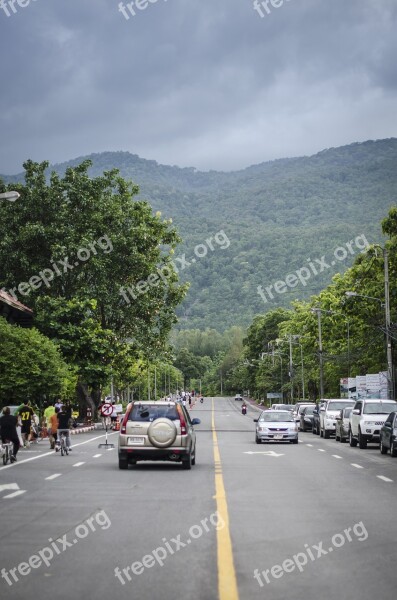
column 106, row 410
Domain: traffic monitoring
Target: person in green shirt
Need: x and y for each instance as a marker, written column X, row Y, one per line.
column 48, row 412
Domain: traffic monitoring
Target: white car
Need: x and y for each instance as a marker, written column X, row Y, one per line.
column 328, row 413
column 366, row 420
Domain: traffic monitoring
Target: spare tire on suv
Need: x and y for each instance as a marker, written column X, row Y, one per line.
column 162, row 433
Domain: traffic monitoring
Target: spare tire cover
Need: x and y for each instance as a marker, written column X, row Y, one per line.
column 162, row 433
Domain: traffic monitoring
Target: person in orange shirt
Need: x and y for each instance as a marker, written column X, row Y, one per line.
column 54, row 428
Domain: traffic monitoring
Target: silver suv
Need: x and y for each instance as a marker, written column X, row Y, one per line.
column 157, row 431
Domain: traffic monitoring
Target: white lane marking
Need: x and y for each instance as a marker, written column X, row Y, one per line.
column 20, row 462
column 14, row 494
column 267, row 453
column 383, row 478
column 97, row 455
column 54, row 476
column 336, row 456
column 320, row 450
column 78, row 464
column 310, row 445
column 9, row 486
column 357, row 466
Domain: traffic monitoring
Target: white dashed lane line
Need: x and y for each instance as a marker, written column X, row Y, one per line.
column 357, row 466
column 383, row 478
column 97, row 455
column 15, row 494
column 336, row 456
column 54, row 476
column 78, row 464
column 321, row 450
column 310, row 445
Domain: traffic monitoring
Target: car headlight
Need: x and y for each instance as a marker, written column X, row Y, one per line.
column 368, row 423
column 263, row 429
column 293, row 428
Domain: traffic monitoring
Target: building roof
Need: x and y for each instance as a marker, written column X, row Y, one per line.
column 14, row 311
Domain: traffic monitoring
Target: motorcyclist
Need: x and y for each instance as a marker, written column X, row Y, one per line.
column 244, row 408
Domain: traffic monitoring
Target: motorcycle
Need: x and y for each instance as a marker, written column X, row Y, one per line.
column 244, row 409
column 201, row 399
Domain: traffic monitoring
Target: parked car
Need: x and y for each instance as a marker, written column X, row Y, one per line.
column 388, row 435
column 306, row 421
column 277, row 426
column 160, row 430
column 299, row 406
column 342, row 425
column 329, row 412
column 367, row 418
column 283, row 407
column 238, row 397
column 316, row 419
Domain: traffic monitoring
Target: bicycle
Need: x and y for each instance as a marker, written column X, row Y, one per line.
column 62, row 444
column 8, row 449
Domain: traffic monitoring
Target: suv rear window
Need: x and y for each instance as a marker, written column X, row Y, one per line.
column 148, row 413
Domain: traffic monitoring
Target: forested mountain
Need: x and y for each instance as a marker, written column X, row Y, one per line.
column 276, row 215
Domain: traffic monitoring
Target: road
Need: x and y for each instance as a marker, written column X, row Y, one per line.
column 275, row 521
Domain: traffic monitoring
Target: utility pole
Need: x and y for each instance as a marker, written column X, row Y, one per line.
column 291, row 369
column 320, row 350
column 390, row 371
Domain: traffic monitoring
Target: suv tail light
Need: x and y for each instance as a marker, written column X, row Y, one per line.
column 126, row 416
column 182, row 419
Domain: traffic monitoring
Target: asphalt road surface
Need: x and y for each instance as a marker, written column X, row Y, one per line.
column 275, row 521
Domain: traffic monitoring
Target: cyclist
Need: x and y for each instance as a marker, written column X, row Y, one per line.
column 64, row 416
column 8, row 431
column 26, row 413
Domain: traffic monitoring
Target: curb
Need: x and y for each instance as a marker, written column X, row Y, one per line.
column 82, row 430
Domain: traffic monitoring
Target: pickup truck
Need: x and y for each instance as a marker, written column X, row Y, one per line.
column 366, row 420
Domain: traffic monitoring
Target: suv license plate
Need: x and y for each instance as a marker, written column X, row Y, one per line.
column 278, row 436
column 132, row 441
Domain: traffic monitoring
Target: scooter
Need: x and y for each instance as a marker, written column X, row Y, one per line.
column 244, row 409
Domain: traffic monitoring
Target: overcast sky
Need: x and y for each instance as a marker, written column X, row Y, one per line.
column 213, row 84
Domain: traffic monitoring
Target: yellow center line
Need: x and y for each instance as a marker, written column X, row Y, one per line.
column 227, row 581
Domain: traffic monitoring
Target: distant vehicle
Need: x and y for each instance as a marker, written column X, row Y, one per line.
column 388, row 435
column 367, row 418
column 342, row 425
column 238, row 397
column 161, row 430
column 306, row 421
column 328, row 413
column 276, row 426
column 298, row 410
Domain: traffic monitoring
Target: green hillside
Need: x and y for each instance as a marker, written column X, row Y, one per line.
column 276, row 216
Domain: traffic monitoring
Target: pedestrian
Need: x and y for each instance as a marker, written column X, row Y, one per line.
column 48, row 413
column 113, row 417
column 190, row 400
column 26, row 414
column 53, row 428
column 8, row 431
column 59, row 404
